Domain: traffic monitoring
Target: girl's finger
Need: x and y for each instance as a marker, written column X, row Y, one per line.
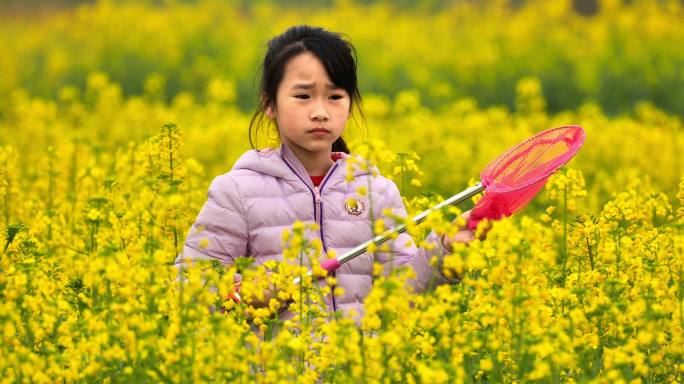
column 463, row 236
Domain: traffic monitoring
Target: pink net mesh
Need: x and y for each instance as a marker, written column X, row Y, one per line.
column 515, row 177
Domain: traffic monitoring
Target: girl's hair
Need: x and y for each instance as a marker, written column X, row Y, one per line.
column 337, row 55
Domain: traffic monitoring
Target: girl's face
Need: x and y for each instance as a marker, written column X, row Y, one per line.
column 310, row 110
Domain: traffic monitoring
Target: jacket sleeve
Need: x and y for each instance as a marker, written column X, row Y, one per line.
column 403, row 249
column 220, row 229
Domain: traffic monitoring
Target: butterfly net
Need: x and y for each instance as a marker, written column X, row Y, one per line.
column 514, row 178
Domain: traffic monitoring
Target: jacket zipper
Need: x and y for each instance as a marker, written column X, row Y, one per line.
column 317, row 196
column 318, row 214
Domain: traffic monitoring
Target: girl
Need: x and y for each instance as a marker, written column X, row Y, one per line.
column 308, row 92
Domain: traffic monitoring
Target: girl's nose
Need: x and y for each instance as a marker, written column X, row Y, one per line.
column 319, row 113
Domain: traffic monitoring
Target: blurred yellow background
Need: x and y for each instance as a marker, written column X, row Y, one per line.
column 116, row 115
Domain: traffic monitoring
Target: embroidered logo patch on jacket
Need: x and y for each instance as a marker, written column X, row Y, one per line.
column 354, row 206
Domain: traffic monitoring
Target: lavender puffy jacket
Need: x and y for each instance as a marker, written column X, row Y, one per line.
column 266, row 192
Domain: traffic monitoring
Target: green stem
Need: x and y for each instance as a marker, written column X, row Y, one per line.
column 591, row 257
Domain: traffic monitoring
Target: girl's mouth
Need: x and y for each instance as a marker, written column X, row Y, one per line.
column 318, row 131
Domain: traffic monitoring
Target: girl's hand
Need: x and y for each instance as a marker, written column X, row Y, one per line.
column 464, row 235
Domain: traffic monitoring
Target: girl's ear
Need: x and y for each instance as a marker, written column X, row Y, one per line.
column 268, row 106
column 269, row 112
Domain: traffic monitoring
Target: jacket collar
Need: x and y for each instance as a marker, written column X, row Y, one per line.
column 282, row 163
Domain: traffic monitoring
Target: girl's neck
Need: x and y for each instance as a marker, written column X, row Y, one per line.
column 315, row 163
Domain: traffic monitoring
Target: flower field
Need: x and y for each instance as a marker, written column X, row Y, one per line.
column 110, row 136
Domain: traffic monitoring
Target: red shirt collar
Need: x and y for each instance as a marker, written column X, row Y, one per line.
column 316, row 180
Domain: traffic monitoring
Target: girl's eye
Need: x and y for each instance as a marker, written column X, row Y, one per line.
column 336, row 97
column 303, row 97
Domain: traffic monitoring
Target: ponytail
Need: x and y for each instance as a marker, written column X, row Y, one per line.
column 340, row 146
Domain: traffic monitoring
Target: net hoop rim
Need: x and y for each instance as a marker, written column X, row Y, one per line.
column 493, row 187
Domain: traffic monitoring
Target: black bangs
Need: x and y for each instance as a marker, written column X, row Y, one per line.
column 339, row 60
